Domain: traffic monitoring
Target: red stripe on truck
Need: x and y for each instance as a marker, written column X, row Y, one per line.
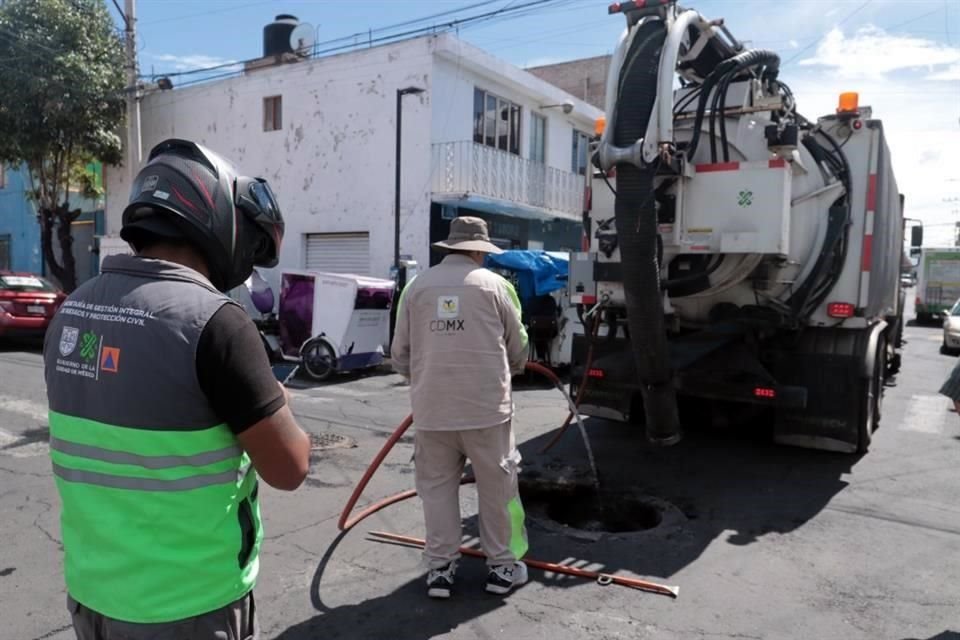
column 867, row 254
column 717, row 166
column 872, row 192
column 777, row 163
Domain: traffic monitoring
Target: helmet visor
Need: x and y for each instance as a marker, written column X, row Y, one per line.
column 256, row 199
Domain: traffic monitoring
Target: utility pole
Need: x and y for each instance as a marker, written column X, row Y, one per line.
column 133, row 102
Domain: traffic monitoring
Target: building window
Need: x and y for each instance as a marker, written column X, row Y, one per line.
column 581, row 146
column 538, row 138
column 273, row 113
column 496, row 122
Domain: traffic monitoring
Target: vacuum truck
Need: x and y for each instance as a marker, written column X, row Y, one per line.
column 741, row 257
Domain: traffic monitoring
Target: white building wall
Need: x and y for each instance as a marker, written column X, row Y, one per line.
column 460, row 67
column 332, row 164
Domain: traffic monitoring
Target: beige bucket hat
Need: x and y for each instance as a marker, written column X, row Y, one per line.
column 468, row 233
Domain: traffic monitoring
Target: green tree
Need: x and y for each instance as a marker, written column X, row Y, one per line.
column 61, row 106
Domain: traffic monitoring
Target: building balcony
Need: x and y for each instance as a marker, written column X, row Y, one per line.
column 479, row 177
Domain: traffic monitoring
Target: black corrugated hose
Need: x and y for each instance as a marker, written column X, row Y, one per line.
column 637, row 231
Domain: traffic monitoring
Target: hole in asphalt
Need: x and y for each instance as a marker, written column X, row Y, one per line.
column 579, row 508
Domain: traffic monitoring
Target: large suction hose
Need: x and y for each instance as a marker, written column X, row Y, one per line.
column 637, row 231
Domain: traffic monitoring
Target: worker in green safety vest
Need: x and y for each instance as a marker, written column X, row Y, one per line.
column 164, row 411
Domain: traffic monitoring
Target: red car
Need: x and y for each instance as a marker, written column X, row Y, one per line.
column 27, row 303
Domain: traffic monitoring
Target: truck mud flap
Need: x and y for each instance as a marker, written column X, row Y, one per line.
column 723, row 370
column 758, row 392
column 611, row 379
column 830, row 364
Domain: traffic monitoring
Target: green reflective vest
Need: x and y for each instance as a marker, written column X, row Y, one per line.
column 160, row 518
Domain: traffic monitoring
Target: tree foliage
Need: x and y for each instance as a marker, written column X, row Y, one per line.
column 61, row 106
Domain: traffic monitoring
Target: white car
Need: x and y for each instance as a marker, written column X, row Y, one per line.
column 951, row 331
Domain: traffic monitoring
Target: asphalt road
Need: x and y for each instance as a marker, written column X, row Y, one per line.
column 763, row 541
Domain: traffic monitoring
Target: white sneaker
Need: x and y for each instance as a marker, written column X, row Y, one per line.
column 440, row 581
column 504, row 577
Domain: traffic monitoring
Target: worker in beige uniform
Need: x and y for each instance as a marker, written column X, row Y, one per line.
column 459, row 339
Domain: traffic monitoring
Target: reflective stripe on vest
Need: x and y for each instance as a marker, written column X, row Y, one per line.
column 144, row 508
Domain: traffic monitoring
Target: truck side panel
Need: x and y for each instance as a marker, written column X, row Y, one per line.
column 881, row 254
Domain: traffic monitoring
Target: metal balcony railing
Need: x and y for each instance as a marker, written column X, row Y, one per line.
column 468, row 168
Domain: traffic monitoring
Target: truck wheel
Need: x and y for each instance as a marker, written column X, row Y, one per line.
column 924, row 318
column 318, row 359
column 870, row 392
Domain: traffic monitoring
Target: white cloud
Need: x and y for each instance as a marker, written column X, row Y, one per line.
column 950, row 73
column 191, row 62
column 921, row 125
column 873, row 52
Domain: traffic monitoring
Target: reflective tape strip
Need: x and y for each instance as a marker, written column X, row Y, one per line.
column 518, row 532
column 147, row 484
column 147, row 462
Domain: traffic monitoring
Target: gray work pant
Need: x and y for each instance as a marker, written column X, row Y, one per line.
column 236, row 621
column 440, row 457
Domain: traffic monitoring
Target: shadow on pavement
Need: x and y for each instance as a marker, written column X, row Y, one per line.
column 946, row 635
column 405, row 612
column 729, row 483
column 303, row 380
column 24, row 345
column 734, row 480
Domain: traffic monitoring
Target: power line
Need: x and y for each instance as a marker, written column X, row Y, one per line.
column 817, row 41
column 502, row 13
column 232, row 7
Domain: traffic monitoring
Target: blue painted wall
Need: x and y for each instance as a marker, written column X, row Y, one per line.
column 18, row 220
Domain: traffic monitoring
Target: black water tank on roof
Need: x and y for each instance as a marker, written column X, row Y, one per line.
column 276, row 35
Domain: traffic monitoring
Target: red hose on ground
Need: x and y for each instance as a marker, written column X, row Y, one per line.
column 580, row 391
column 346, row 522
column 601, row 578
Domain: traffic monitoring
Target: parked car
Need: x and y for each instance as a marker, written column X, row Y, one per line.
column 27, row 303
column 906, row 281
column 951, row 331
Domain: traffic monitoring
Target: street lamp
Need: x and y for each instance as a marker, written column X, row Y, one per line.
column 401, row 279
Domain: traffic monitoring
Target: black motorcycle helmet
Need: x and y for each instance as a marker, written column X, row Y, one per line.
column 187, row 191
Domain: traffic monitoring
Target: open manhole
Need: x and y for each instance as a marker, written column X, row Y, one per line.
column 573, row 509
column 328, row 440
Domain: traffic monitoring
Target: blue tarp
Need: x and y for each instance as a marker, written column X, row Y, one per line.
column 538, row 272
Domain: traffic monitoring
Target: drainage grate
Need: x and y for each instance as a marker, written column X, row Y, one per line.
column 328, row 440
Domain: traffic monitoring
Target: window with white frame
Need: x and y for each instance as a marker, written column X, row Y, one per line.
column 538, row 138
column 496, row 122
column 581, row 151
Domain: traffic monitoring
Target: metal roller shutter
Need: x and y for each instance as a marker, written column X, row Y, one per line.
column 338, row 252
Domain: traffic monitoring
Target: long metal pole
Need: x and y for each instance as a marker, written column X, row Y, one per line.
column 133, row 106
column 396, row 192
column 396, row 219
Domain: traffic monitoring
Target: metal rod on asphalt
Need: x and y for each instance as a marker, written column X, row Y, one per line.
column 601, row 578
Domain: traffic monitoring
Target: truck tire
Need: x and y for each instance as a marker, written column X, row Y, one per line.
column 870, row 395
column 924, row 318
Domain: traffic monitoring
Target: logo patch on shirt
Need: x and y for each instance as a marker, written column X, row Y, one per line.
column 110, row 359
column 448, row 307
column 68, row 340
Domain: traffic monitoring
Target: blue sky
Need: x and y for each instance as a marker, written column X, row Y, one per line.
column 903, row 56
